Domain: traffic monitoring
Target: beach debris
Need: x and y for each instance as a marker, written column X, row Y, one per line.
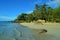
column 42, row 31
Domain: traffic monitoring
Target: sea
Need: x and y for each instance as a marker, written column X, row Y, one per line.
column 15, row 31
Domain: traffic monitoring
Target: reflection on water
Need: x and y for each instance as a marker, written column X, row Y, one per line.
column 14, row 31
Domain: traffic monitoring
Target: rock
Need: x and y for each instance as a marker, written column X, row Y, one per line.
column 43, row 31
column 41, row 21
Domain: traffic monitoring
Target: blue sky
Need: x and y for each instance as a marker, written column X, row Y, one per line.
column 10, row 9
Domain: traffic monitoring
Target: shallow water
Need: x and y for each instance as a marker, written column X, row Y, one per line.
column 15, row 31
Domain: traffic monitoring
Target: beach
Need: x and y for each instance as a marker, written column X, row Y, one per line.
column 52, row 28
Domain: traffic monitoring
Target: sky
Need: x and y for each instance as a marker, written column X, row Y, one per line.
column 10, row 9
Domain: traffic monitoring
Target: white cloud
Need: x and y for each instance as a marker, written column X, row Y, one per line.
column 29, row 12
column 5, row 18
column 37, row 2
column 54, row 3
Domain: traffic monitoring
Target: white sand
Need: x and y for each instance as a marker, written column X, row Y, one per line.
column 52, row 28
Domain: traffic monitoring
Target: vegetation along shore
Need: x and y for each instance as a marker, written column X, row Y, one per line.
column 41, row 12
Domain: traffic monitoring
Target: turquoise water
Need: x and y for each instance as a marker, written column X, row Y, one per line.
column 15, row 31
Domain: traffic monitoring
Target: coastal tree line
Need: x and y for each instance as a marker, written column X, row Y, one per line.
column 41, row 12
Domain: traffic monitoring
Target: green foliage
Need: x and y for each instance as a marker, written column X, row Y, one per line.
column 42, row 12
column 22, row 16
